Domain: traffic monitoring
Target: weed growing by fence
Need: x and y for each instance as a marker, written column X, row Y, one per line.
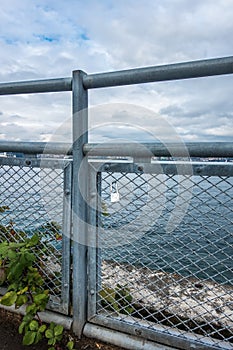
column 26, row 286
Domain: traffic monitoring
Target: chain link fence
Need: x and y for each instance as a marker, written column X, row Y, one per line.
column 164, row 258
column 164, row 262
column 32, row 202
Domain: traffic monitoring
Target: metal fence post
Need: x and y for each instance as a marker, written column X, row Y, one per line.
column 66, row 230
column 80, row 137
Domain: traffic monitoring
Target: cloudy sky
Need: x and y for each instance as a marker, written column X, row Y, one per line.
column 48, row 39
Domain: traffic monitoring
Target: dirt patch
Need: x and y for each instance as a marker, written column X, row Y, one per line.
column 10, row 339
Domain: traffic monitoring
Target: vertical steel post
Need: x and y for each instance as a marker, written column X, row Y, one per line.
column 66, row 230
column 80, row 137
column 92, row 243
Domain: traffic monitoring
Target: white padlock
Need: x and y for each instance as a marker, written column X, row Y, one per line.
column 115, row 195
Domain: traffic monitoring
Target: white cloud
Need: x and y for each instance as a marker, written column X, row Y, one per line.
column 43, row 39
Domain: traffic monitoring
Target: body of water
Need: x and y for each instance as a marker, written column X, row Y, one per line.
column 201, row 245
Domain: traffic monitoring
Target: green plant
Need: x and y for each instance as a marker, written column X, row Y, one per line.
column 124, row 299
column 117, row 299
column 47, row 248
column 26, row 286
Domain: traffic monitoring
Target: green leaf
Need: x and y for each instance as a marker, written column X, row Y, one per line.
column 33, row 325
column 59, row 337
column 38, row 337
column 41, row 298
column 15, row 245
column 13, row 286
column 22, row 291
column 4, row 247
column 34, row 240
column 21, row 300
column 21, row 327
column 49, row 334
column 9, row 298
column 28, row 317
column 12, row 254
column 16, row 271
column 52, row 348
column 31, row 309
column 58, row 330
column 27, row 259
column 42, row 328
column 29, row 338
column 52, row 341
column 70, row 345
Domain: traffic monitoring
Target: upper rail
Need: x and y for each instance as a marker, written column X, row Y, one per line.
column 177, row 71
column 36, row 86
column 157, row 149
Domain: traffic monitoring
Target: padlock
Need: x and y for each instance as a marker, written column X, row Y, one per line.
column 115, row 195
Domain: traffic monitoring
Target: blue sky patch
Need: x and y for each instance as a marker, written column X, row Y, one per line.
column 84, row 36
column 48, row 38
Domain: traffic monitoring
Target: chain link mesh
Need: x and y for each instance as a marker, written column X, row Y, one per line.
column 180, row 279
column 31, row 201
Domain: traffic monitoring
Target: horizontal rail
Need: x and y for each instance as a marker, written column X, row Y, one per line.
column 36, row 147
column 36, row 86
column 166, row 167
column 120, row 339
column 193, row 69
column 156, row 333
column 185, row 70
column 192, row 149
column 43, row 163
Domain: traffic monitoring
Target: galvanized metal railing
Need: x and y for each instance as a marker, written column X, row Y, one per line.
column 91, row 310
column 186, row 70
